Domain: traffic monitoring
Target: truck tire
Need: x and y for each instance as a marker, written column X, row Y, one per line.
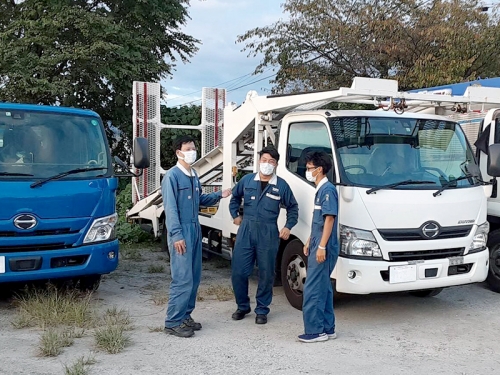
column 164, row 242
column 88, row 283
column 493, row 278
column 426, row 292
column 293, row 272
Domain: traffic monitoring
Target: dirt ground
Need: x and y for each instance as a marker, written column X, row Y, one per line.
column 455, row 332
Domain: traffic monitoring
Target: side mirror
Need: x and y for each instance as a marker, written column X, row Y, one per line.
column 493, row 166
column 141, row 153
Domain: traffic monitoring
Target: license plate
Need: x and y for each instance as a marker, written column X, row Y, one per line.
column 456, row 261
column 402, row 274
column 2, row 264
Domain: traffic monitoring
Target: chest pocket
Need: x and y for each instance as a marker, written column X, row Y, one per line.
column 249, row 196
column 317, row 213
column 272, row 203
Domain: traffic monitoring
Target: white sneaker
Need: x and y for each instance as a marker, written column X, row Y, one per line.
column 313, row 337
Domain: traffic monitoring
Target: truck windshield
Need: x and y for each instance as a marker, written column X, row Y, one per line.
column 379, row 151
column 35, row 144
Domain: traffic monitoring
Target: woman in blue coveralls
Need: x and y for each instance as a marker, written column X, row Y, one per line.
column 258, row 236
column 182, row 196
column 322, row 252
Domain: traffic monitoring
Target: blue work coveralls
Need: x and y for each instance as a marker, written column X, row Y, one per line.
column 182, row 196
column 317, row 306
column 258, row 236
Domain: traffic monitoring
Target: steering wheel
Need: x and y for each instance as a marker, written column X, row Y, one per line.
column 439, row 171
column 92, row 162
column 356, row 166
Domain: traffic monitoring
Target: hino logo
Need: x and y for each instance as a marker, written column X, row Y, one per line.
column 430, row 229
column 25, row 221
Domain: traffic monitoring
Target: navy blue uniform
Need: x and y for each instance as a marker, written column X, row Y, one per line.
column 317, row 305
column 258, row 236
column 182, row 196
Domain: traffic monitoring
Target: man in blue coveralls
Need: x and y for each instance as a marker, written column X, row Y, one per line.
column 258, row 236
column 182, row 196
column 322, row 252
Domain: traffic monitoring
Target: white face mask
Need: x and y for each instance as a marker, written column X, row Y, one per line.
column 189, row 156
column 266, row 169
column 309, row 175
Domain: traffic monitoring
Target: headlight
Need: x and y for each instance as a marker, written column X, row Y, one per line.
column 480, row 238
column 102, row 229
column 358, row 243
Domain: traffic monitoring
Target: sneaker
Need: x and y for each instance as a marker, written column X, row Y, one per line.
column 331, row 334
column 316, row 337
column 195, row 326
column 179, row 331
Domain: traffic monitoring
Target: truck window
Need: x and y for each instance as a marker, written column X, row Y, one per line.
column 43, row 144
column 305, row 137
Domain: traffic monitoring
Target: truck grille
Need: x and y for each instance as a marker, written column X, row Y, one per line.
column 20, row 249
column 404, row 256
column 46, row 232
column 416, row 234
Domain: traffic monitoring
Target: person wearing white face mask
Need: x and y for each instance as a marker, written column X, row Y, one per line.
column 258, row 236
column 322, row 252
column 182, row 196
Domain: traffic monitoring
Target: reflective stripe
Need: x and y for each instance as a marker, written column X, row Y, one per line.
column 275, row 197
column 317, row 207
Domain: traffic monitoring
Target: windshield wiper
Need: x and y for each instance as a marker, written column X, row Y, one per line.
column 400, row 183
column 64, row 174
column 453, row 183
column 14, row 174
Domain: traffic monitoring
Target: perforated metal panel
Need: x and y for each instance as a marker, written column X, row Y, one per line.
column 470, row 123
column 212, row 118
column 146, row 121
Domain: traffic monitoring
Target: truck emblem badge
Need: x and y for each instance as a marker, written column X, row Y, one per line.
column 25, row 221
column 430, row 229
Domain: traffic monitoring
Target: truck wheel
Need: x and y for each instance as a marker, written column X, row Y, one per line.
column 88, row 283
column 493, row 278
column 426, row 292
column 293, row 272
column 164, row 242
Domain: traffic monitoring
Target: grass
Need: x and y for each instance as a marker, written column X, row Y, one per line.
column 160, row 299
column 156, row 329
column 112, row 337
column 80, row 367
column 221, row 293
column 53, row 341
column 131, row 253
column 52, row 308
column 156, row 268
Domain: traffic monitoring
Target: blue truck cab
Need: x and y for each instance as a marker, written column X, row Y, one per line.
column 57, row 195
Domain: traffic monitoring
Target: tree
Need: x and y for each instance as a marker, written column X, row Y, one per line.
column 422, row 43
column 87, row 53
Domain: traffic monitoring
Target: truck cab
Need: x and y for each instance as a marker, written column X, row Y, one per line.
column 57, row 188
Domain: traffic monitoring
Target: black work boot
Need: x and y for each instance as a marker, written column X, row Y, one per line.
column 195, row 326
column 180, row 331
column 261, row 319
column 240, row 314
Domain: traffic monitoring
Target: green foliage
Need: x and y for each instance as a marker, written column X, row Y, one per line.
column 126, row 232
column 185, row 115
column 87, row 53
column 325, row 43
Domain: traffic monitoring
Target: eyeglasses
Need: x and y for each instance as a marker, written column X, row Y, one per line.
column 309, row 169
column 273, row 162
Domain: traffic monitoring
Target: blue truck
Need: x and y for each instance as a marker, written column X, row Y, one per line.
column 57, row 195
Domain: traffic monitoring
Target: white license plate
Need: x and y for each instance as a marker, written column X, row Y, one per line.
column 456, row 261
column 402, row 274
column 2, row 264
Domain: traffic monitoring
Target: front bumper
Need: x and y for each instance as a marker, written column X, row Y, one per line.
column 55, row 264
column 373, row 276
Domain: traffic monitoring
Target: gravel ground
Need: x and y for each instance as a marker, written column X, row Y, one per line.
column 455, row 332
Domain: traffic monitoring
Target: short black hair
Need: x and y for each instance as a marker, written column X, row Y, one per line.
column 320, row 159
column 271, row 151
column 183, row 139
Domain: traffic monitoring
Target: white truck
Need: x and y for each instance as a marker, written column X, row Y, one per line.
column 412, row 204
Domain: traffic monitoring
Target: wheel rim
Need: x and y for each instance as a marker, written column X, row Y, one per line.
column 296, row 274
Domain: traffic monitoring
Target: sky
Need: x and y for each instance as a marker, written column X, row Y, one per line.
column 217, row 24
